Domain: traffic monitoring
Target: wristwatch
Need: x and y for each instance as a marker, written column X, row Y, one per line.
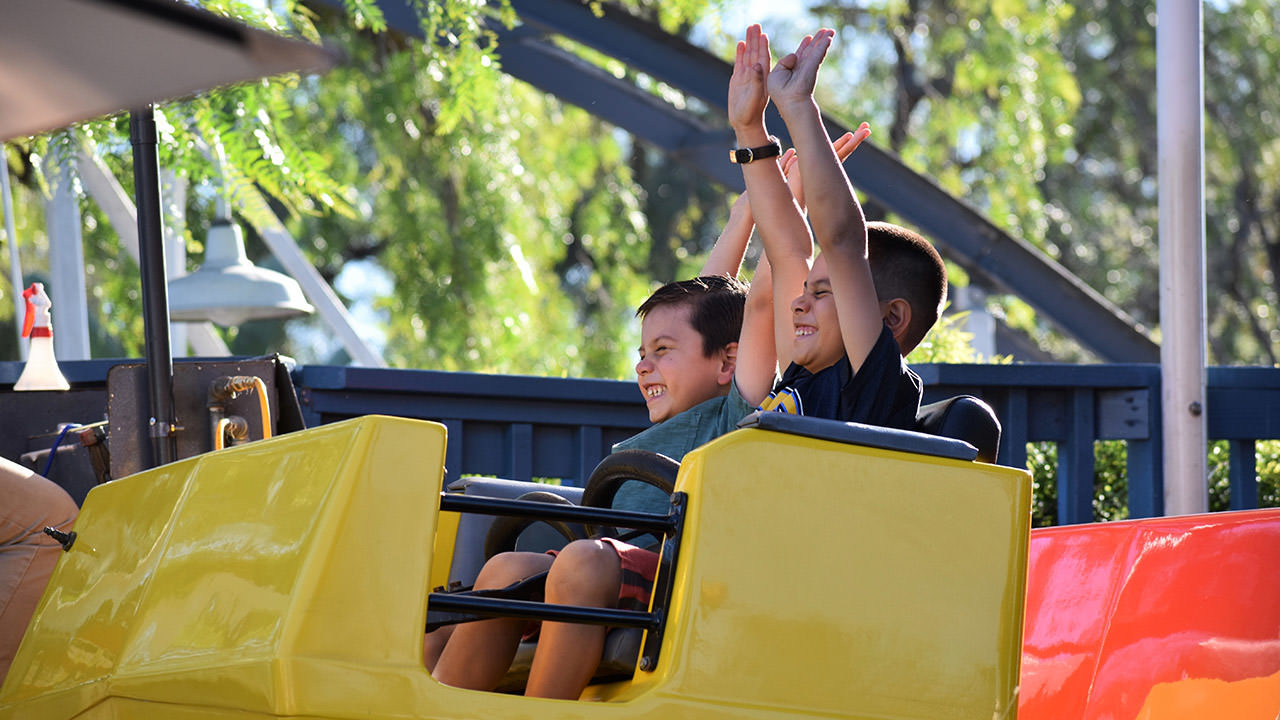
column 742, row 156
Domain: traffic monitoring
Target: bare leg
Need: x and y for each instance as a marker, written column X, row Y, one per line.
column 433, row 644
column 587, row 572
column 27, row 555
column 479, row 653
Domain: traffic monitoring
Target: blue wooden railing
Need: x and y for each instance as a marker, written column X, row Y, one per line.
column 522, row 427
column 527, row 427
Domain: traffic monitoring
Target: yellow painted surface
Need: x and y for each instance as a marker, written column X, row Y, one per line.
column 446, row 531
column 288, row 578
column 828, row 579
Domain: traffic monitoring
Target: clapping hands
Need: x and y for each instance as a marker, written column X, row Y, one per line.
column 792, row 80
column 756, row 80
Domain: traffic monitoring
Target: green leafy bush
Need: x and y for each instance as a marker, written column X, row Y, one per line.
column 1111, row 483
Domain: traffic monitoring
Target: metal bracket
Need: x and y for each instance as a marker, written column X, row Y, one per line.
column 159, row 430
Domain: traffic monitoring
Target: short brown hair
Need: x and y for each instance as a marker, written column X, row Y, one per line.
column 905, row 265
column 715, row 307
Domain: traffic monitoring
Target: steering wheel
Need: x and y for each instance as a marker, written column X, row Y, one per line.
column 620, row 468
column 506, row 530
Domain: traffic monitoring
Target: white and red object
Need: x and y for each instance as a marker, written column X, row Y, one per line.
column 41, row 371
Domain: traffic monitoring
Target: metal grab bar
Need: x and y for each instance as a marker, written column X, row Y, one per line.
column 532, row 610
column 456, row 502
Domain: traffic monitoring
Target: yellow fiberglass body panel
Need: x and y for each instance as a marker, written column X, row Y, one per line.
column 288, row 579
column 236, row 579
column 832, row 580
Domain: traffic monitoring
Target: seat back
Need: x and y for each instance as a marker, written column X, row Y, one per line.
column 963, row 417
column 473, row 530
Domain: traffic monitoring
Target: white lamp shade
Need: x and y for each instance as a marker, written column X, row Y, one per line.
column 229, row 290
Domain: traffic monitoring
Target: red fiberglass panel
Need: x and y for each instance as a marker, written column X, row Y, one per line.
column 1162, row 618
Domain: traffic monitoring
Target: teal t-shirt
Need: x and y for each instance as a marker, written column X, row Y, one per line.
column 676, row 436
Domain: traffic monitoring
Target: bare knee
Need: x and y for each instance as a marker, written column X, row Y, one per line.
column 30, row 503
column 505, row 568
column 586, row 572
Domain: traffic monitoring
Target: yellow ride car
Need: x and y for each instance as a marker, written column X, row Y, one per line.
column 291, row 578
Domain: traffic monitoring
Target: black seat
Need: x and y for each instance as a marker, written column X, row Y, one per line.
column 966, row 418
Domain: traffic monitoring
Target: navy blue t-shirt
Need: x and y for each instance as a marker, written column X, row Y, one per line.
column 884, row 391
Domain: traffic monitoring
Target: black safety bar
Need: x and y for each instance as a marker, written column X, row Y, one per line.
column 486, row 604
column 531, row 610
column 457, row 502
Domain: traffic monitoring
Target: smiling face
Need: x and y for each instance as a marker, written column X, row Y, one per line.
column 817, row 343
column 673, row 373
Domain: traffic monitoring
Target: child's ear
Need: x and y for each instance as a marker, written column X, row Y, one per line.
column 897, row 315
column 728, row 363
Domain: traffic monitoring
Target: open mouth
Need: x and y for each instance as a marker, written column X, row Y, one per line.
column 654, row 391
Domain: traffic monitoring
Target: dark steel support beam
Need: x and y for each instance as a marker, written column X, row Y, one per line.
column 155, row 289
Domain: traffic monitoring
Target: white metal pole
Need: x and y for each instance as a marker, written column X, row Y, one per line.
column 66, row 263
column 173, row 198
column 15, row 262
column 1180, row 134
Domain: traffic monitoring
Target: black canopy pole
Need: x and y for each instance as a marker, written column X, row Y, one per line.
column 155, row 292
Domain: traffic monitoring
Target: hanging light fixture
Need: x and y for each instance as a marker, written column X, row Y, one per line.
column 229, row 290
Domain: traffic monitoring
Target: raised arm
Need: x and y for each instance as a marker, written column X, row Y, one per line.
column 834, row 212
column 787, row 242
column 843, row 147
column 726, row 255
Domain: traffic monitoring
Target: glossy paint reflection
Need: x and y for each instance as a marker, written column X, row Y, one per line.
column 1154, row 618
column 210, row 581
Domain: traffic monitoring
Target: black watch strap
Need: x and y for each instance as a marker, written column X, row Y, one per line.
column 742, row 156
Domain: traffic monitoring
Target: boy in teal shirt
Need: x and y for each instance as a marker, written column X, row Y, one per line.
column 688, row 363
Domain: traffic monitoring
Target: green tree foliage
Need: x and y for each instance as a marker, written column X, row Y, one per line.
column 519, row 233
column 1103, row 213
column 1242, row 137
column 1043, row 115
column 974, row 94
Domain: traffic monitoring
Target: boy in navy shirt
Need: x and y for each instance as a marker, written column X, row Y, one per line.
column 875, row 290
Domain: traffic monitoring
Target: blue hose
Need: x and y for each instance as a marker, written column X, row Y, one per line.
column 54, row 450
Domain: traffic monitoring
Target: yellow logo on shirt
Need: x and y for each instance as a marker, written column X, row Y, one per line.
column 786, row 400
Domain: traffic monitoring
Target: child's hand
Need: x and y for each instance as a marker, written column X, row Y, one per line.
column 844, row 147
column 747, row 93
column 792, row 80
